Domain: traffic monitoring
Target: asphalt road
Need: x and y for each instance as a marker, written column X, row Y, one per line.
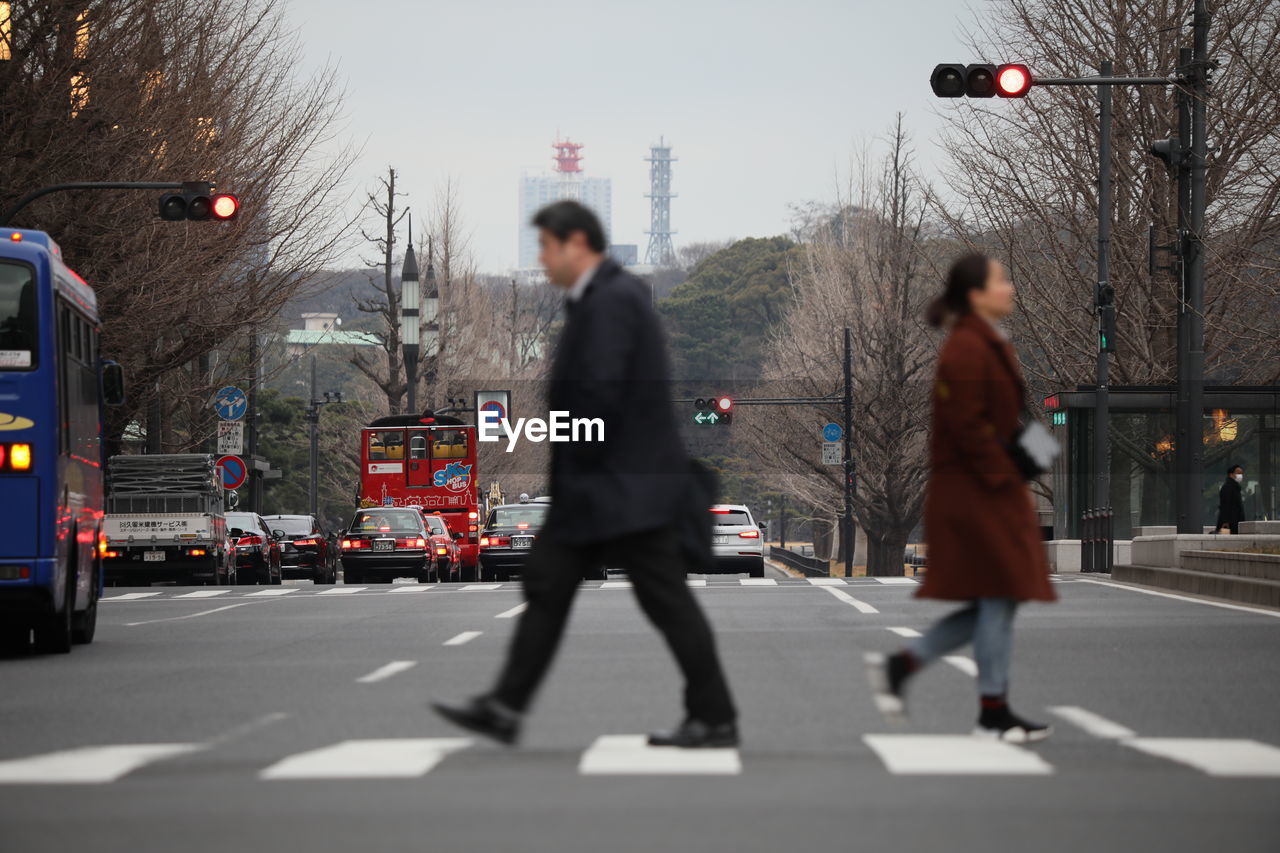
column 216, row 720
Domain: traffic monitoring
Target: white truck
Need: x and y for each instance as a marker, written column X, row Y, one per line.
column 165, row 521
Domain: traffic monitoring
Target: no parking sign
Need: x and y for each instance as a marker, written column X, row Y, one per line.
column 233, row 471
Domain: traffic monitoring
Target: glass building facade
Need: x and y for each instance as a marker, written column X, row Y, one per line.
column 1241, row 426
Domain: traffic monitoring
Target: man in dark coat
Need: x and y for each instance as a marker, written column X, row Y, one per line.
column 615, row 502
column 1231, row 501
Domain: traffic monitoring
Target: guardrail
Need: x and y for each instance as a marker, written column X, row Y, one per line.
column 810, row 566
column 1097, row 540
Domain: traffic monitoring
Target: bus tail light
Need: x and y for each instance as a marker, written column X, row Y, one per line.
column 441, row 550
column 15, row 573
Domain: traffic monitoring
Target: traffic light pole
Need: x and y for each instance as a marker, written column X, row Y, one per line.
column 83, row 185
column 846, row 530
column 1104, row 299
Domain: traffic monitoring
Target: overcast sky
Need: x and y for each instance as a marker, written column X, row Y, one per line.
column 764, row 101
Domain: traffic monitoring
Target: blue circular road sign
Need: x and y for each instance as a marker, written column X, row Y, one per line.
column 832, row 432
column 230, row 403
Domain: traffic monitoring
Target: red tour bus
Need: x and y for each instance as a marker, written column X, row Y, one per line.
column 427, row 461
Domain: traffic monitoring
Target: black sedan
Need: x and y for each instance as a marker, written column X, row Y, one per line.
column 507, row 537
column 257, row 548
column 386, row 543
column 307, row 551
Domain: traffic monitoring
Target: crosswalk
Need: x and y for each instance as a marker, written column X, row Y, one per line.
column 898, row 754
column 179, row 594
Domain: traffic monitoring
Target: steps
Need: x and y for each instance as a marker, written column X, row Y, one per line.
column 1230, row 575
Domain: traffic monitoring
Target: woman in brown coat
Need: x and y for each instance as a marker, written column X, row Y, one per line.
column 980, row 523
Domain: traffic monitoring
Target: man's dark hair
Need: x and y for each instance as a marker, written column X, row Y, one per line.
column 1233, row 469
column 562, row 218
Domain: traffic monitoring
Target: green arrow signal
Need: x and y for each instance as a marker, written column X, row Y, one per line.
column 706, row 418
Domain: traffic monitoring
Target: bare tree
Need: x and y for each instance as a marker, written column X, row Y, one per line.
column 163, row 90
column 1024, row 184
column 865, row 267
column 386, row 304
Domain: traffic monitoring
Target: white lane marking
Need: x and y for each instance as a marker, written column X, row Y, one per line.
column 397, row 758
column 616, row 585
column 964, row 664
column 631, row 755
column 513, row 612
column 131, row 596
column 826, row 581
column 410, row 587
column 203, row 593
column 475, row 587
column 954, row 755
column 696, row 581
column 896, row 580
column 385, row 671
column 464, row 637
column 187, row 616
column 861, row 606
column 906, row 632
column 1222, row 604
column 88, row 765
column 757, row 582
column 272, row 592
column 342, row 590
column 1094, row 724
column 1215, row 756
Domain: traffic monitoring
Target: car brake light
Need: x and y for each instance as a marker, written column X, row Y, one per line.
column 718, row 511
column 196, row 552
column 305, row 542
column 111, row 553
column 411, row 543
column 750, row 534
column 250, row 540
column 524, row 525
column 384, row 529
column 442, row 551
column 20, row 457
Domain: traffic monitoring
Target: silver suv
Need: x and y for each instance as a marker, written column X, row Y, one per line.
column 737, row 540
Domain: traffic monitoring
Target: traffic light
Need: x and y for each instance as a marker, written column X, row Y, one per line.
column 1107, row 328
column 980, row 80
column 713, row 410
column 1169, row 151
column 199, row 203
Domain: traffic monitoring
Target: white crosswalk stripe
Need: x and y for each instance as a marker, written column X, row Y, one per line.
column 131, row 596
column 204, row 593
column 757, row 582
column 342, row 590
column 410, row 587
column 954, row 755
column 826, row 581
column 696, row 581
column 616, row 585
column 272, row 592
column 479, row 587
column 911, row 581
column 88, row 765
column 631, row 755
column 905, row 632
column 1216, row 756
column 394, row 758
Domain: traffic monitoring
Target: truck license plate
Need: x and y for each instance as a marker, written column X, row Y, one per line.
column 384, row 544
column 153, row 556
column 521, row 541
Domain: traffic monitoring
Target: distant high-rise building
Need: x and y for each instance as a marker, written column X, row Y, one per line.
column 566, row 181
column 661, row 252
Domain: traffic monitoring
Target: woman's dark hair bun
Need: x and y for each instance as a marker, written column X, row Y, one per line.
column 969, row 272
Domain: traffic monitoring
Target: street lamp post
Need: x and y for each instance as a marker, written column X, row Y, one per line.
column 313, row 422
column 410, row 323
column 431, row 307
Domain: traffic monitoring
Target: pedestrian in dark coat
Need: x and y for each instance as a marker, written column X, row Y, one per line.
column 1231, row 501
column 984, row 541
column 625, row 501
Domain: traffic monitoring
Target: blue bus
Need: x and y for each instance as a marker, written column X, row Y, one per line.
column 52, row 389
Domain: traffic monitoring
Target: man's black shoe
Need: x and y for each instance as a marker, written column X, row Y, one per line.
column 483, row 715
column 695, row 734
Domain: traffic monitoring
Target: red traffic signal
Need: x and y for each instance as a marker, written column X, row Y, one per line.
column 724, row 404
column 198, row 203
column 980, row 80
column 225, row 206
column 1013, row 81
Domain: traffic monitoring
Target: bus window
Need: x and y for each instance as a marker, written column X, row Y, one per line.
column 17, row 317
column 449, row 444
column 386, row 444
